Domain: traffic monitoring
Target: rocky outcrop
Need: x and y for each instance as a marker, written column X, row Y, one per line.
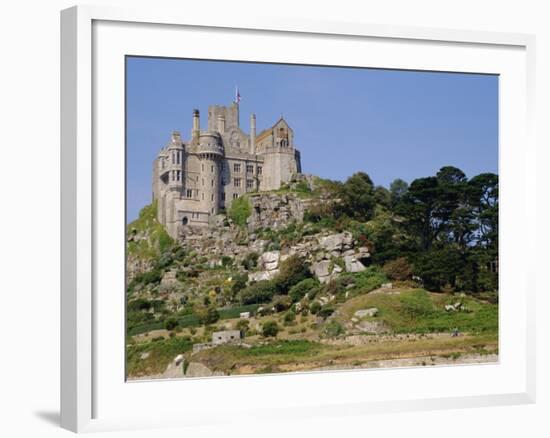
column 197, row 369
column 275, row 211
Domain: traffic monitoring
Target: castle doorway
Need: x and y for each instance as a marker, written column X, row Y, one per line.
column 184, row 221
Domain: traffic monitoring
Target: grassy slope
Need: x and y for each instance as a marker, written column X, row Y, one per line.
column 157, row 240
column 478, row 327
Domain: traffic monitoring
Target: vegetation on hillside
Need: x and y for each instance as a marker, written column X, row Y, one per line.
column 435, row 240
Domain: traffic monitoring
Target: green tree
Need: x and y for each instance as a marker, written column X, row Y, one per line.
column 398, row 189
column 270, row 329
column 292, row 270
column 357, row 196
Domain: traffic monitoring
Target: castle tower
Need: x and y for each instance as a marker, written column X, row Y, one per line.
column 253, row 134
column 175, row 163
column 210, row 153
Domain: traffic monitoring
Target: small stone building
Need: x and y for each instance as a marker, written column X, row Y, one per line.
column 226, row 336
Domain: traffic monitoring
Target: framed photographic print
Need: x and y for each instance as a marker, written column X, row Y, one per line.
column 291, row 218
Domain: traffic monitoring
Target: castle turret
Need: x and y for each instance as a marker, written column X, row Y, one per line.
column 210, row 153
column 175, row 163
column 196, row 124
column 253, row 133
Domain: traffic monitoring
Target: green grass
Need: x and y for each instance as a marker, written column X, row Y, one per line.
column 240, row 210
column 158, row 240
column 417, row 311
column 234, row 312
column 161, row 352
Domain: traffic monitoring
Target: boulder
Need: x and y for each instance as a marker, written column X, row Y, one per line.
column 197, row 369
column 371, row 311
column 353, row 265
column 321, row 269
column 259, row 276
column 270, row 260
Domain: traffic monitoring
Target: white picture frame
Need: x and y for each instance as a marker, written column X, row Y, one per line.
column 91, row 38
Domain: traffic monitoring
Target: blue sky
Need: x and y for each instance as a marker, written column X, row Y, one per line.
column 388, row 123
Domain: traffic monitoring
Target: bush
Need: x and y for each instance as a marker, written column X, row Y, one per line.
column 326, row 311
column 282, row 304
column 315, row 307
column 243, row 325
column 398, row 269
column 226, row 261
column 299, row 290
column 270, row 329
column 292, row 270
column 289, row 317
column 240, row 211
column 170, row 323
column 208, row 315
column 370, row 279
column 260, row 292
column 333, row 329
column 239, row 283
column 250, row 261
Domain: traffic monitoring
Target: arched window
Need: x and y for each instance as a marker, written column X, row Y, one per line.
column 184, row 221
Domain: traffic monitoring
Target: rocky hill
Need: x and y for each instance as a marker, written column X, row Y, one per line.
column 279, row 280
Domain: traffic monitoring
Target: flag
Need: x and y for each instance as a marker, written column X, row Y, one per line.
column 237, row 95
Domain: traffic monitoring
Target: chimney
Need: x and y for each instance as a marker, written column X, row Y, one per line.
column 252, row 134
column 196, row 124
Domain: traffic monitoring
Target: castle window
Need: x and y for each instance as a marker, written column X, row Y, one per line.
column 203, row 182
column 236, row 168
column 202, row 165
column 189, row 193
column 249, row 183
column 259, row 170
column 212, row 169
column 284, row 143
column 162, row 163
column 223, row 196
column 184, row 221
column 178, row 177
column 173, row 175
column 173, row 157
column 237, row 182
column 250, row 168
column 235, row 195
column 212, row 183
column 178, row 157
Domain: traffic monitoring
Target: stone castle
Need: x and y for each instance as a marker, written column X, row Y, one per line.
column 193, row 180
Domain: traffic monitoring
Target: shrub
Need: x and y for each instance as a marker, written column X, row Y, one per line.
column 370, row 279
column 326, row 311
column 208, row 315
column 299, row 290
column 243, row 325
column 170, row 323
column 293, row 270
column 333, row 329
column 239, row 283
column 315, row 307
column 398, row 269
column 270, row 329
column 289, row 317
column 240, row 211
column 260, row 292
column 282, row 304
column 226, row 261
column 250, row 261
